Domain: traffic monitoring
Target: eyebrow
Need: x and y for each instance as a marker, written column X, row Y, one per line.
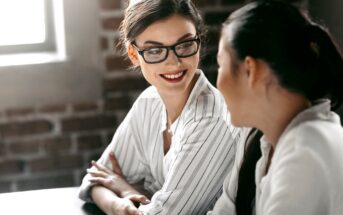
column 159, row 43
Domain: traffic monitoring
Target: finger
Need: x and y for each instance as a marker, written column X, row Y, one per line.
column 96, row 180
column 115, row 165
column 140, row 199
column 96, row 173
column 99, row 180
column 100, row 167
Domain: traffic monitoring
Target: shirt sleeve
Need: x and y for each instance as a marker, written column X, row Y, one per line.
column 298, row 180
column 127, row 148
column 195, row 176
column 226, row 202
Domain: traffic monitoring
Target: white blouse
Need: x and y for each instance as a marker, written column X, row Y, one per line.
column 306, row 172
column 226, row 202
column 188, row 178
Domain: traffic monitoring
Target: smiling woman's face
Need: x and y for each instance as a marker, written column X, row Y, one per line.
column 174, row 75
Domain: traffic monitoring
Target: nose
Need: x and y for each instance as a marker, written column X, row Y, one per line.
column 172, row 58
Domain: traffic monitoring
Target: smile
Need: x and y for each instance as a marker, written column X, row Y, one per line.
column 173, row 76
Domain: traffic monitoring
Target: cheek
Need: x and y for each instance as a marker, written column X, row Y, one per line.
column 148, row 74
column 191, row 62
column 223, row 81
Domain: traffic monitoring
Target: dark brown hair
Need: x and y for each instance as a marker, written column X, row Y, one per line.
column 142, row 14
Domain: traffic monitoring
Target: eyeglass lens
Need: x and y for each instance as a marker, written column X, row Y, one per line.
column 158, row 54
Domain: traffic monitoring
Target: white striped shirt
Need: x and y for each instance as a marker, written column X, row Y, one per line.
column 188, row 178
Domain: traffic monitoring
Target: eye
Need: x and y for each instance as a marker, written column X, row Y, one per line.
column 154, row 51
column 185, row 45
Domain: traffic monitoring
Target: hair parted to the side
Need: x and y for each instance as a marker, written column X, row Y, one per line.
column 300, row 52
column 141, row 14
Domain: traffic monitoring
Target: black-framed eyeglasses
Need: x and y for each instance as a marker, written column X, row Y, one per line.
column 157, row 54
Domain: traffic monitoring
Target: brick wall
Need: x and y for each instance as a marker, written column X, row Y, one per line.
column 51, row 146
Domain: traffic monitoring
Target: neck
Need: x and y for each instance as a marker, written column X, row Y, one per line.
column 175, row 103
column 280, row 114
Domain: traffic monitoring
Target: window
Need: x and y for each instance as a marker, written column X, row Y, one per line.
column 70, row 72
column 27, row 27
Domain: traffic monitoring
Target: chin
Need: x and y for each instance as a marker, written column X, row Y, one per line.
column 236, row 121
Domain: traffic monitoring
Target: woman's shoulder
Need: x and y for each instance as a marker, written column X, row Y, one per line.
column 150, row 94
column 206, row 101
column 145, row 101
column 320, row 141
column 317, row 131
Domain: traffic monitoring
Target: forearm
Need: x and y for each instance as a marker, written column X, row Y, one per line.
column 104, row 198
column 112, row 204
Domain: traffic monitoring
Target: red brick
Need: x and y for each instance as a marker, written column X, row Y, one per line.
column 53, row 108
column 94, row 156
column 110, row 4
column 88, row 123
column 119, row 47
column 19, row 111
column 118, row 103
column 53, row 163
column 11, row 166
column 111, row 23
column 103, row 43
column 117, row 63
column 89, row 142
column 15, row 129
column 25, row 147
column 58, row 144
column 125, row 84
column 86, row 106
column 2, row 149
column 53, row 181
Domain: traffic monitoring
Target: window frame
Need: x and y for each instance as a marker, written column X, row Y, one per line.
column 49, row 45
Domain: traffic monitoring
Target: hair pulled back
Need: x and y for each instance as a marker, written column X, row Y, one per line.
column 301, row 53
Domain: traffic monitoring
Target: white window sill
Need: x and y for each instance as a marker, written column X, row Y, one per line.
column 31, row 58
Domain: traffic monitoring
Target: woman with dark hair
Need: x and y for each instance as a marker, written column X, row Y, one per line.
column 282, row 73
column 176, row 137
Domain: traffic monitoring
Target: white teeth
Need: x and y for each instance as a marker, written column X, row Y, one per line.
column 174, row 76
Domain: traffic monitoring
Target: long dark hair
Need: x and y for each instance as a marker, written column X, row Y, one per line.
column 300, row 52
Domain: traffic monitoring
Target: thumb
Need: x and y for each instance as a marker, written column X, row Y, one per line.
column 140, row 198
column 133, row 211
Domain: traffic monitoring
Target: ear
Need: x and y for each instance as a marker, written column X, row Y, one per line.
column 258, row 74
column 133, row 55
column 251, row 70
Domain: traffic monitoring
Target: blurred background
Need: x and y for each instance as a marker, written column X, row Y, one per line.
column 64, row 87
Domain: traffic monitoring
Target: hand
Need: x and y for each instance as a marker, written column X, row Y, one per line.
column 115, row 181
column 115, row 165
column 123, row 206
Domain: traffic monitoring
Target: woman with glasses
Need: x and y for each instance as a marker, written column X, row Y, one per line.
column 282, row 73
column 175, row 138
